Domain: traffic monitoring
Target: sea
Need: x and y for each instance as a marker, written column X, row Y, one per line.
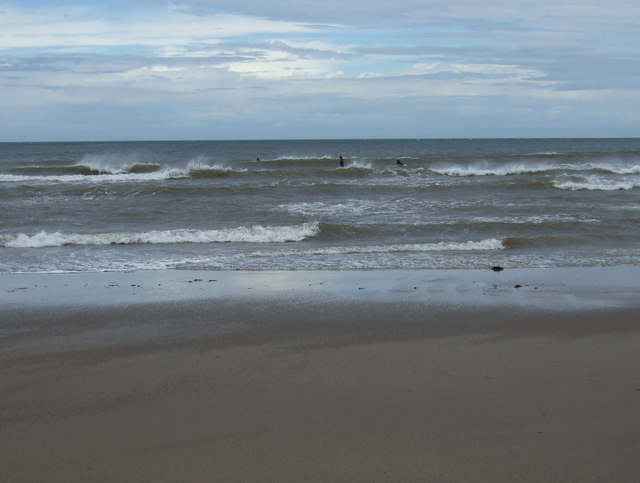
column 290, row 205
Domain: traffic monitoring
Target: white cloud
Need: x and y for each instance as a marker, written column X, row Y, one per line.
column 72, row 27
column 279, row 61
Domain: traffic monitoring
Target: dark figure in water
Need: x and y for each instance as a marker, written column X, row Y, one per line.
column 341, row 162
column 399, row 163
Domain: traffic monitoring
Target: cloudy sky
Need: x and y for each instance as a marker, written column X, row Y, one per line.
column 265, row 69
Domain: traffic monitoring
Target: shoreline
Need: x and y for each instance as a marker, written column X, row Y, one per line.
column 321, row 376
column 561, row 288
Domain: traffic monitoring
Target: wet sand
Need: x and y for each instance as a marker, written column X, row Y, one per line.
column 521, row 375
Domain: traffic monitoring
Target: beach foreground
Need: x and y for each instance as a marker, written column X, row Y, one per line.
column 470, row 375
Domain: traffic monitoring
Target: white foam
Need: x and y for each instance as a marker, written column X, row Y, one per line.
column 490, row 169
column 97, row 179
column 595, row 183
column 253, row 234
column 483, row 245
column 121, row 175
column 321, row 208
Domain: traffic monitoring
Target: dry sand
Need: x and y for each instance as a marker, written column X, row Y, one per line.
column 444, row 376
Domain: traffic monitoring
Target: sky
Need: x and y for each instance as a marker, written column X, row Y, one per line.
column 318, row 69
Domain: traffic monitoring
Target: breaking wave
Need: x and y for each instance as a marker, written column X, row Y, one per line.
column 594, row 183
column 254, row 234
column 136, row 173
column 489, row 168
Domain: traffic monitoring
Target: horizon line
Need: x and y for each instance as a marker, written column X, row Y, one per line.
column 461, row 138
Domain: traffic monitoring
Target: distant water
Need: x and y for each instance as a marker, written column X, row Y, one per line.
column 212, row 205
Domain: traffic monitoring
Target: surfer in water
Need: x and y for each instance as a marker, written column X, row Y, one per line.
column 399, row 163
column 341, row 162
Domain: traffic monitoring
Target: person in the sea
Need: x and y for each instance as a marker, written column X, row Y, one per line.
column 399, row 163
column 341, row 162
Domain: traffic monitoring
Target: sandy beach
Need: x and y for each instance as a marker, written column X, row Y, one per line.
column 426, row 376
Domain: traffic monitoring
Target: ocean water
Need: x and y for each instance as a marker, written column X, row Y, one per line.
column 116, row 206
